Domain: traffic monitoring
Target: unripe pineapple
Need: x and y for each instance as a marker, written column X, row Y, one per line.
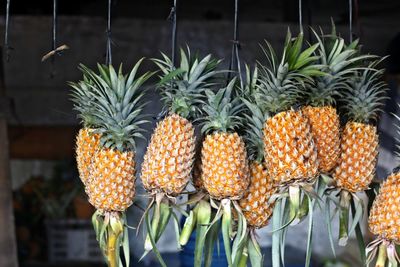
column 115, row 114
column 359, row 144
column 290, row 152
column 339, row 62
column 168, row 161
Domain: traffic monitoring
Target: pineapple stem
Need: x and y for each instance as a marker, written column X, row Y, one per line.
column 243, row 258
column 203, row 221
column 382, row 255
column 294, row 200
column 344, row 203
column 115, row 228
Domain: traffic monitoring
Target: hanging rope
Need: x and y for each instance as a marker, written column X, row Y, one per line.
column 301, row 16
column 172, row 18
column 108, row 32
column 6, row 44
column 235, row 58
column 350, row 21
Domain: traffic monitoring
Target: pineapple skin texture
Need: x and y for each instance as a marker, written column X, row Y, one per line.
column 224, row 169
column 112, row 186
column 325, row 128
column 289, row 149
column 87, row 143
column 357, row 161
column 384, row 219
column 169, row 158
column 196, row 177
column 255, row 203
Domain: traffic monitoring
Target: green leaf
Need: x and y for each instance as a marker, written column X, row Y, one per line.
column 276, row 224
column 153, row 243
column 227, row 229
column 255, row 255
column 310, row 230
column 359, row 236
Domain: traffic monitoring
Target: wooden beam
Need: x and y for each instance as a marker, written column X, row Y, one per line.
column 42, row 142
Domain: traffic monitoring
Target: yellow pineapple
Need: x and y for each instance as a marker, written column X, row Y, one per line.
column 339, row 62
column 384, row 222
column 290, row 152
column 224, row 168
column 359, row 142
column 115, row 114
column 168, row 161
column 289, row 148
column 256, row 203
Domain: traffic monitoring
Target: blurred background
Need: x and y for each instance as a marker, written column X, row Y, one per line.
column 38, row 126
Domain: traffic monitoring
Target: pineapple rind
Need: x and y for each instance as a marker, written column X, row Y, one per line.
column 169, row 157
column 290, row 152
column 225, row 170
column 255, row 204
column 87, row 142
column 325, row 128
column 112, row 186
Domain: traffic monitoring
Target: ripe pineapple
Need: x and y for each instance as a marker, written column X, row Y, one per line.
column 87, row 141
column 116, row 112
column 256, row 205
column 224, row 169
column 359, row 141
column 339, row 63
column 384, row 222
column 168, row 162
column 290, row 152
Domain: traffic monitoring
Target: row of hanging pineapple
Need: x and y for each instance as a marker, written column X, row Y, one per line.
column 269, row 145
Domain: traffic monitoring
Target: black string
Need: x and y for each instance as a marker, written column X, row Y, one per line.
column 108, row 32
column 173, row 19
column 301, row 16
column 6, row 44
column 351, row 21
column 235, row 58
column 54, row 38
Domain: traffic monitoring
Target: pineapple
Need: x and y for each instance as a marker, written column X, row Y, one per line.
column 359, row 144
column 168, row 161
column 339, row 63
column 224, row 168
column 290, row 152
column 116, row 112
column 256, row 205
column 289, row 149
column 359, row 141
column 87, row 141
column 384, row 222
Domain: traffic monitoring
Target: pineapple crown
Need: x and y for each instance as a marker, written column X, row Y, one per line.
column 221, row 110
column 366, row 91
column 340, row 61
column 182, row 88
column 83, row 101
column 283, row 83
column 254, row 117
column 116, row 104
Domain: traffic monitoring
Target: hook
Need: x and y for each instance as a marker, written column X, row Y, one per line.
column 108, row 34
